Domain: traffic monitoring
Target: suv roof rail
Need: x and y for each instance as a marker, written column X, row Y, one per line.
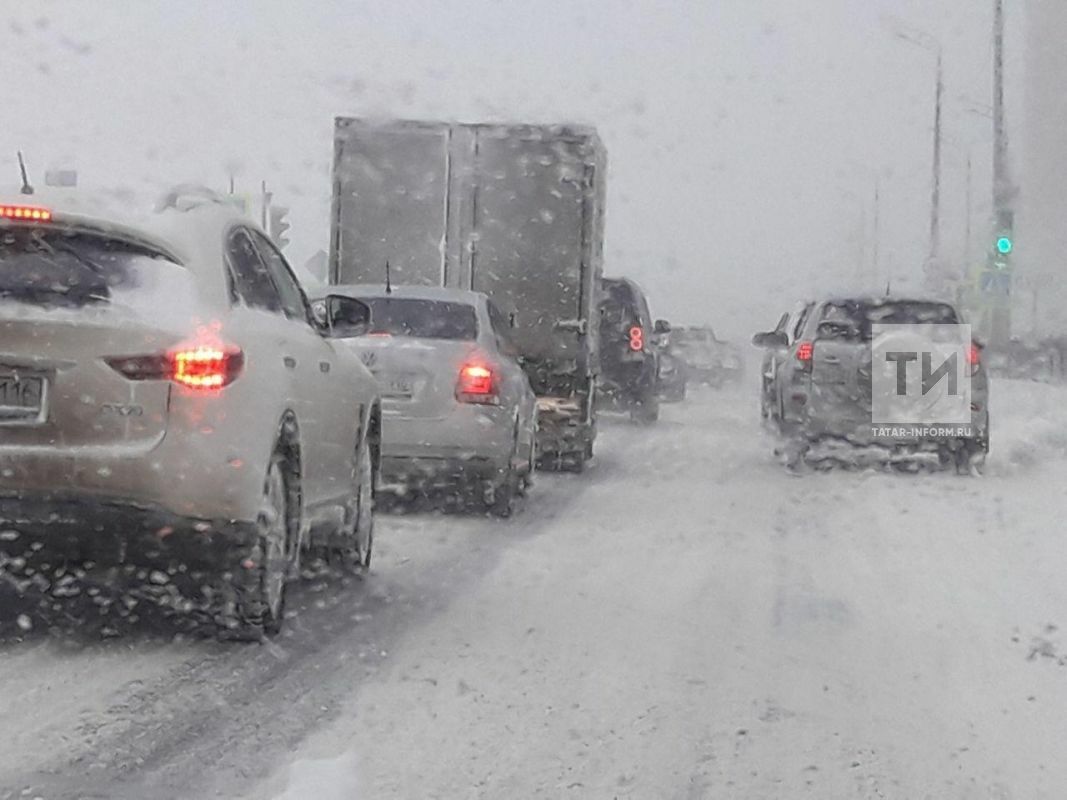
column 187, row 196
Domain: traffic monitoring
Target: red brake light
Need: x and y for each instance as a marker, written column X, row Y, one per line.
column 637, row 338
column 205, row 367
column 194, row 367
column 805, row 350
column 974, row 355
column 28, row 213
column 477, row 384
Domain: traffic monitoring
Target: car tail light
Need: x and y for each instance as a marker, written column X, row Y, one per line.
column 201, row 368
column 205, row 367
column 805, row 350
column 637, row 338
column 29, row 213
column 477, row 384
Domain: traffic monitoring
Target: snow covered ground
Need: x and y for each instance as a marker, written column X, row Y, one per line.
column 687, row 620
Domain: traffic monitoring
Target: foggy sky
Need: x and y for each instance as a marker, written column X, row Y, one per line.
column 744, row 136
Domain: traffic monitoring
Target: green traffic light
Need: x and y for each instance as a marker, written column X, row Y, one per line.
column 1005, row 245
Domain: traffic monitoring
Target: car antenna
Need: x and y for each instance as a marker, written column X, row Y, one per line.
column 888, row 286
column 26, row 188
column 388, row 281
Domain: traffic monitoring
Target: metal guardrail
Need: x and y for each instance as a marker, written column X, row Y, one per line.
column 1044, row 360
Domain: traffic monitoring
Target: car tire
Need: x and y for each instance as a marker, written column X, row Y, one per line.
column 646, row 410
column 507, row 489
column 259, row 588
column 577, row 461
column 355, row 546
column 527, row 480
column 505, row 495
column 970, row 460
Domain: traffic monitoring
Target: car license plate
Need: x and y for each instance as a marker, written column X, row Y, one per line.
column 402, row 386
column 22, row 397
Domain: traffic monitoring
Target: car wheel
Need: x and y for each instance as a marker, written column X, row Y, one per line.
column 646, row 411
column 970, row 460
column 531, row 466
column 577, row 461
column 259, row 590
column 506, row 491
column 356, row 543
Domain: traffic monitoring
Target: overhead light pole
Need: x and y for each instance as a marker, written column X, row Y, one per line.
column 933, row 45
column 1003, row 191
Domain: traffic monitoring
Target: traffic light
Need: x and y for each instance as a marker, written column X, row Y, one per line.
column 279, row 225
column 1004, row 242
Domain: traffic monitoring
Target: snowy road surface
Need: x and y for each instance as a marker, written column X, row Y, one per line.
column 685, row 621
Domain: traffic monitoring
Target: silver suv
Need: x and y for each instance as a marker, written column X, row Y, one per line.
column 168, row 398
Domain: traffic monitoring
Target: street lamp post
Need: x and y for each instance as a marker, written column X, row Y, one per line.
column 868, row 269
column 930, row 43
column 970, row 214
column 877, row 234
column 1003, row 212
column 935, row 199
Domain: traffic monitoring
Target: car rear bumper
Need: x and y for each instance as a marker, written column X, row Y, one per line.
column 472, row 439
column 402, row 473
column 195, row 478
column 864, row 433
column 626, row 382
column 84, row 527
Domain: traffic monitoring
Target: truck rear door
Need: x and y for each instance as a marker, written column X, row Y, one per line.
column 528, row 242
column 390, row 192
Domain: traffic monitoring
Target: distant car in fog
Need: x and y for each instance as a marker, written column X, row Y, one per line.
column 823, row 386
column 711, row 361
column 629, row 360
column 168, row 398
column 458, row 411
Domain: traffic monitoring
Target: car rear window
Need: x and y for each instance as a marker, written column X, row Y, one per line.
column 57, row 268
column 422, row 319
column 854, row 319
column 689, row 336
column 619, row 306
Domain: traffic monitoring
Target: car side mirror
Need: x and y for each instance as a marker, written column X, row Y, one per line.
column 771, row 339
column 341, row 317
column 661, row 326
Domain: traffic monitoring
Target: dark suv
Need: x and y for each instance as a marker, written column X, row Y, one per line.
column 823, row 383
column 629, row 360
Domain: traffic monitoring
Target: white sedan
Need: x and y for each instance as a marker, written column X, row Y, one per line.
column 458, row 410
